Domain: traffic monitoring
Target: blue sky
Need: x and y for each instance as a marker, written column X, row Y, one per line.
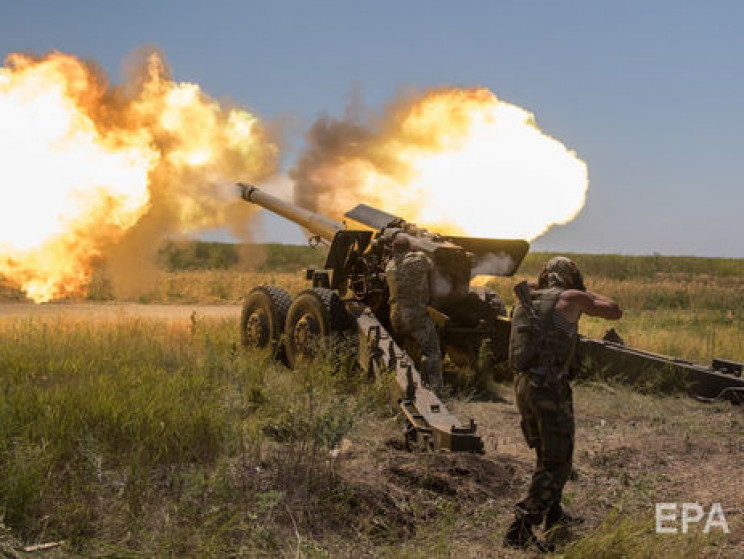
column 649, row 94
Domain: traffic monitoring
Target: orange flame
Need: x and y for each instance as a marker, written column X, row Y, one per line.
column 83, row 163
column 457, row 161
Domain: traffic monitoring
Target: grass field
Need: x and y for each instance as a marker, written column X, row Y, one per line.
column 681, row 306
column 129, row 437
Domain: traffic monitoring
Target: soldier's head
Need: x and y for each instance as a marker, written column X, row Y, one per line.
column 401, row 244
column 561, row 272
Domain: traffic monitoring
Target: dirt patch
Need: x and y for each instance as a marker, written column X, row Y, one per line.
column 396, row 493
column 614, row 459
column 463, row 476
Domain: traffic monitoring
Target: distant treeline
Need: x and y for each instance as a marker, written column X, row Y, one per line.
column 200, row 255
column 616, row 266
column 197, row 255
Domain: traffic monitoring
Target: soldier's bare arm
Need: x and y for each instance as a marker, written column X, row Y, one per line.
column 574, row 302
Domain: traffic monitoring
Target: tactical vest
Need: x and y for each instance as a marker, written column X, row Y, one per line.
column 524, row 353
column 408, row 279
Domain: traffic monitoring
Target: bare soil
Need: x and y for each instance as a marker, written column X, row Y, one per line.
column 632, row 451
column 116, row 310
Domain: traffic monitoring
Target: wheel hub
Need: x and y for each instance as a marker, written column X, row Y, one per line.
column 305, row 334
column 257, row 329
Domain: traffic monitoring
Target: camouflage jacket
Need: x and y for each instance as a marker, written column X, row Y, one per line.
column 408, row 279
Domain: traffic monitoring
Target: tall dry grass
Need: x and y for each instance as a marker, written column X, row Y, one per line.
column 695, row 318
column 136, row 437
column 216, row 286
column 691, row 316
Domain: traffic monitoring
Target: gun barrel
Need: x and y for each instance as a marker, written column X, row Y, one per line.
column 315, row 223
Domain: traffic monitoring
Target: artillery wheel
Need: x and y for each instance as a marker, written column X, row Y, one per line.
column 263, row 316
column 313, row 315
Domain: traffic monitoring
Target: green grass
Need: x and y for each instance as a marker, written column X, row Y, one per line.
column 621, row 536
column 137, row 432
column 134, row 437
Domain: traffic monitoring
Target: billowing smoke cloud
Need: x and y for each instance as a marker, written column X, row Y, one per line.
column 494, row 264
column 92, row 171
column 457, row 161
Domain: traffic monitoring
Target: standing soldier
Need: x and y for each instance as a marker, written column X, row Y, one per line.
column 542, row 347
column 409, row 276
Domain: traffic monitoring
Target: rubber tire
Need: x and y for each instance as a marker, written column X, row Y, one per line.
column 327, row 314
column 274, row 301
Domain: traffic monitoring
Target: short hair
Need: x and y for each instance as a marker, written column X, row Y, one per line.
column 562, row 272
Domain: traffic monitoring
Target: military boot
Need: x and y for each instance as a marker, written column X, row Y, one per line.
column 558, row 525
column 520, row 535
column 557, row 516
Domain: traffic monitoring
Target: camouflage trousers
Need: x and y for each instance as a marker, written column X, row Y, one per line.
column 548, row 427
column 414, row 323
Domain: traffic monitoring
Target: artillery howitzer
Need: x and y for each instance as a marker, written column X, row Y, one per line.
column 349, row 296
column 721, row 381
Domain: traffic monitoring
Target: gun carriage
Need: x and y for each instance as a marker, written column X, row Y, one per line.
column 349, row 298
